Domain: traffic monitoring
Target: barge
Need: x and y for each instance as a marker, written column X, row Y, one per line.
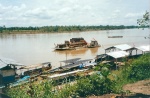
column 72, row 44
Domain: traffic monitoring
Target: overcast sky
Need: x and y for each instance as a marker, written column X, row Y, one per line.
column 71, row 12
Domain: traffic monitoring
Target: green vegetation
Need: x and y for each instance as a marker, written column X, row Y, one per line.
column 132, row 71
column 140, row 68
column 145, row 21
column 99, row 83
column 49, row 29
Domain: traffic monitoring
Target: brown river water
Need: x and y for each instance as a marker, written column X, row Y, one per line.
column 39, row 48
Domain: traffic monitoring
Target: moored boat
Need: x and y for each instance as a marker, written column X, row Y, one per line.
column 115, row 36
column 72, row 44
column 93, row 44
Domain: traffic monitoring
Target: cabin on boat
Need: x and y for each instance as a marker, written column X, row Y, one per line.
column 93, row 44
column 8, row 70
column 75, row 40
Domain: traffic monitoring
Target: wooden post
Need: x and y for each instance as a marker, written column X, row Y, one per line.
column 142, row 52
column 116, row 64
column 0, row 90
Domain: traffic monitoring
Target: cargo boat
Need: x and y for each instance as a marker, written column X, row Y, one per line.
column 72, row 44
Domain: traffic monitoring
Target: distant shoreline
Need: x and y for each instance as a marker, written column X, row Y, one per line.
column 61, row 29
column 38, row 32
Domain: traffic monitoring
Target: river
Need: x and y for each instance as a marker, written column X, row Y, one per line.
column 38, row 48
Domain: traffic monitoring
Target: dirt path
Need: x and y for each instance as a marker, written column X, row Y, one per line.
column 142, row 87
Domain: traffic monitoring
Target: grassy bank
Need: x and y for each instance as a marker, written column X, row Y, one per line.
column 104, row 81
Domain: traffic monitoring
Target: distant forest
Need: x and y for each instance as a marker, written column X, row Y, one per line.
column 47, row 29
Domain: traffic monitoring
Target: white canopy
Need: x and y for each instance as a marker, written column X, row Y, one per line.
column 65, row 74
column 144, row 48
column 118, row 54
column 123, row 46
column 5, row 61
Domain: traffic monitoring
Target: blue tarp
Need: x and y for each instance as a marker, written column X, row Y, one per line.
column 24, row 78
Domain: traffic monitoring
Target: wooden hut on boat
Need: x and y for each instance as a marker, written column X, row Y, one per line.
column 93, row 44
column 8, row 70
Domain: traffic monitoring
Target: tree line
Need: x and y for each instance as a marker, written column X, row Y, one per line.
column 53, row 29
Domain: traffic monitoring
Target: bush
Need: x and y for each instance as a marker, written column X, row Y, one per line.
column 97, row 84
column 140, row 68
column 84, row 87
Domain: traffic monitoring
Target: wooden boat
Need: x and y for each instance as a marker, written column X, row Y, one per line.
column 63, row 47
column 20, row 81
column 115, row 36
column 72, row 44
column 73, row 64
column 66, row 74
column 34, row 70
column 93, row 44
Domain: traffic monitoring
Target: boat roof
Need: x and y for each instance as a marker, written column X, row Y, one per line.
column 35, row 66
column 76, row 64
column 82, row 61
column 121, row 47
column 5, row 62
column 118, row 54
column 64, row 74
column 71, row 60
column 144, row 48
column 101, row 56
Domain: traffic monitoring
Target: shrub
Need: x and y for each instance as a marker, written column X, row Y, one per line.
column 84, row 87
column 140, row 68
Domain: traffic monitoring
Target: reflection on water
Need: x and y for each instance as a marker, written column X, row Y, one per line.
column 37, row 48
column 94, row 50
column 72, row 52
column 79, row 51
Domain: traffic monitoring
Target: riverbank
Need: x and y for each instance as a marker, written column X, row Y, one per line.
column 97, row 84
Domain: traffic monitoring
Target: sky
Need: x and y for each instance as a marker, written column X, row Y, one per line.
column 24, row 13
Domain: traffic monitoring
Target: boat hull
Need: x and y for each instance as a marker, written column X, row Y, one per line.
column 64, row 49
